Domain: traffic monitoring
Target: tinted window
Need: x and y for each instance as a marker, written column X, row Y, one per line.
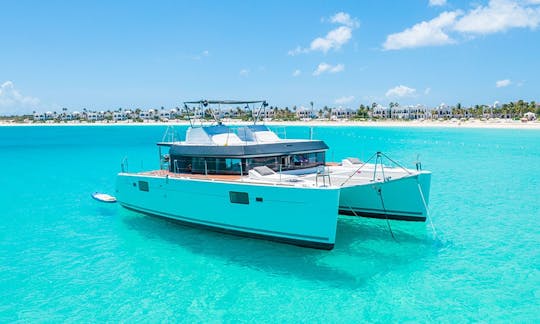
column 143, row 186
column 239, row 197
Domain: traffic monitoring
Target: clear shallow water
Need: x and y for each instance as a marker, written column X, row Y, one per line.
column 64, row 256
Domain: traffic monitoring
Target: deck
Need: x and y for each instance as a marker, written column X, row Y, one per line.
column 166, row 173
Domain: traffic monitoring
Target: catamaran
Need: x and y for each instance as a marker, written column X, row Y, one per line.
column 249, row 181
column 219, row 180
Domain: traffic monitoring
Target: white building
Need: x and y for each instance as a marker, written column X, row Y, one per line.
column 380, row 112
column 530, row 116
column 442, row 111
column 303, row 112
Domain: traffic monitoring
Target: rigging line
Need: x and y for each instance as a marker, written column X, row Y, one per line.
column 379, row 191
column 399, row 165
column 382, row 170
column 354, row 213
column 428, row 214
column 349, row 178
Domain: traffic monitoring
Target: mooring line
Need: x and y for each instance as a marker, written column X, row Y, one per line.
column 428, row 214
column 379, row 191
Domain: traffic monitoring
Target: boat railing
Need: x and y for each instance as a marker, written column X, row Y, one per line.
column 170, row 135
column 379, row 164
column 124, row 165
column 281, row 131
column 323, row 173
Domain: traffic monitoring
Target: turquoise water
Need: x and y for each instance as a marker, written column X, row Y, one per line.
column 64, row 256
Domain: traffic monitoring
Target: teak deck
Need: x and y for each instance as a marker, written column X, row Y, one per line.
column 166, row 173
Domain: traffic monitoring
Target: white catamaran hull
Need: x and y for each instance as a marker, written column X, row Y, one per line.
column 296, row 215
column 404, row 198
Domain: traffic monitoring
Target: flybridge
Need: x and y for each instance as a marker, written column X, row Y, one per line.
column 253, row 141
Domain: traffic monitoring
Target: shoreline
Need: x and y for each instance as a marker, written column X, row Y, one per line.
column 497, row 124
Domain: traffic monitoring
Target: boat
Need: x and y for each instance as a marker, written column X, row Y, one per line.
column 271, row 187
column 234, row 182
column 103, row 197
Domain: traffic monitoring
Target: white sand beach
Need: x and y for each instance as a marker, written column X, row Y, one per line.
column 494, row 123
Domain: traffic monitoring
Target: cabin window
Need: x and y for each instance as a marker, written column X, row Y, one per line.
column 181, row 165
column 239, row 197
column 199, row 165
column 231, row 166
column 307, row 160
column 271, row 162
column 143, row 186
column 213, row 166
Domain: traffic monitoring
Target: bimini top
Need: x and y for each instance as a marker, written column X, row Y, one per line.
column 223, row 135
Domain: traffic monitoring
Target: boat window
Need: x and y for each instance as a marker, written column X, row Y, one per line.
column 271, row 162
column 306, row 160
column 199, row 166
column 239, row 197
column 143, row 186
column 216, row 166
column 181, row 164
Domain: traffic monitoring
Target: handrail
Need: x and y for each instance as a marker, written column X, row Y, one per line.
column 124, row 165
column 378, row 160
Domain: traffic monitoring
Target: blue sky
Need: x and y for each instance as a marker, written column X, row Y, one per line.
column 101, row 55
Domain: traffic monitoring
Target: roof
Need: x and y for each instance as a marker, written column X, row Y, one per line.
column 284, row 147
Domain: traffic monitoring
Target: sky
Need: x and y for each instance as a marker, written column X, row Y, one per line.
column 147, row 54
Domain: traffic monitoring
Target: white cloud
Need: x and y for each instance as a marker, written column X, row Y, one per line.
column 205, row 53
column 334, row 39
column 327, row 68
column 345, row 19
column 426, row 33
column 13, row 102
column 344, row 100
column 244, row 72
column 503, row 83
column 427, row 91
column 497, row 16
column 296, row 73
column 434, row 3
column 401, row 91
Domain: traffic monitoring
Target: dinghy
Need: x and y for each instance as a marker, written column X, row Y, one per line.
column 103, row 197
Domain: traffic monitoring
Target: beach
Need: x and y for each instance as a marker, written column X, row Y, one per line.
column 487, row 124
